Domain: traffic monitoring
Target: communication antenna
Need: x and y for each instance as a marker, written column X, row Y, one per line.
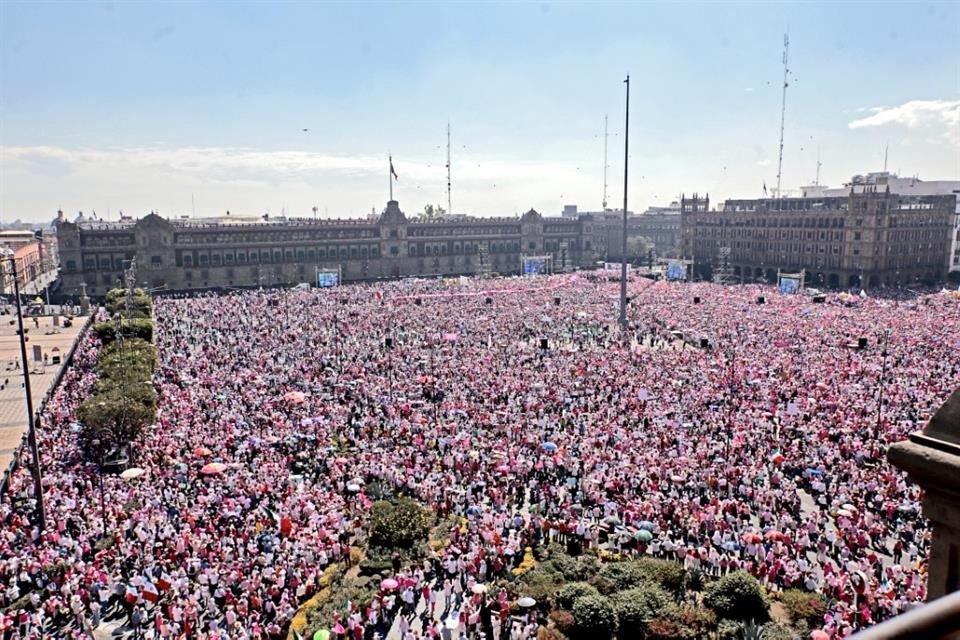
column 817, row 181
column 605, row 165
column 449, row 192
column 886, row 151
column 783, row 107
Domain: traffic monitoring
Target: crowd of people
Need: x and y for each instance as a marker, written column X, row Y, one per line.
column 740, row 435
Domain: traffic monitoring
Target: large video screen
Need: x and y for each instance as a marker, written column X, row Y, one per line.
column 676, row 271
column 789, row 285
column 327, row 279
column 534, row 266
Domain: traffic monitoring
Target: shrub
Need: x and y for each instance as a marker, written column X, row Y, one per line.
column 668, row 574
column 736, row 596
column 593, row 619
column 618, row 576
column 370, row 567
column 728, row 630
column 804, row 606
column 568, row 593
column 540, row 585
column 635, row 607
column 666, row 628
column 776, row 631
column 694, row 580
column 139, row 327
column 113, row 419
column 685, row 623
column 398, row 523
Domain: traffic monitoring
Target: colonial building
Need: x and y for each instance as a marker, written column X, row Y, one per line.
column 657, row 226
column 869, row 237
column 188, row 253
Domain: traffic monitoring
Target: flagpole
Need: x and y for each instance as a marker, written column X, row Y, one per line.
column 390, row 175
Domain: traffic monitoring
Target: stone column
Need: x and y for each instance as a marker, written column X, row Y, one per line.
column 931, row 458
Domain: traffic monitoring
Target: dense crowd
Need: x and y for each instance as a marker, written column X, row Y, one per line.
column 740, row 435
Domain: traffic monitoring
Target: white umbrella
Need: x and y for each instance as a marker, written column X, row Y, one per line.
column 353, row 487
column 526, row 602
column 132, row 472
column 479, row 588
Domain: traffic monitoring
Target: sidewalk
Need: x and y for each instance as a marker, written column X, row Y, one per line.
column 13, row 405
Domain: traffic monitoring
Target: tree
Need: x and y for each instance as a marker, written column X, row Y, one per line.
column 737, row 596
column 113, row 419
column 636, row 607
column 398, row 523
column 432, row 211
column 593, row 619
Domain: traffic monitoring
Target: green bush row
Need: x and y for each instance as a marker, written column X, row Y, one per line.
column 123, row 401
column 141, row 328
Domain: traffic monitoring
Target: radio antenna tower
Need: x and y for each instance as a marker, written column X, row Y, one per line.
column 783, row 107
column 605, row 165
column 449, row 192
column 817, row 181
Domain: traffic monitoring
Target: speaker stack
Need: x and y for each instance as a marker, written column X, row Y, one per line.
column 704, row 343
column 418, row 302
column 819, row 299
column 388, row 343
column 488, row 300
column 556, row 301
column 761, row 300
column 696, row 299
column 862, row 343
column 543, row 344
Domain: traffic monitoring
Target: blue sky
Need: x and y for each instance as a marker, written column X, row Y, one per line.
column 136, row 106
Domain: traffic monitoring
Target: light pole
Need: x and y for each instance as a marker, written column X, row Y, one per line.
column 31, row 422
column 623, row 255
column 883, row 375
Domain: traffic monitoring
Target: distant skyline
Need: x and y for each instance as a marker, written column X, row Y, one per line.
column 255, row 107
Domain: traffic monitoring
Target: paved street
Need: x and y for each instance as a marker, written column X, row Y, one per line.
column 53, row 341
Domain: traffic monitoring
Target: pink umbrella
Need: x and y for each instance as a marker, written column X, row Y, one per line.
column 819, row 634
column 295, row 397
column 202, row 451
column 213, row 469
column 389, row 584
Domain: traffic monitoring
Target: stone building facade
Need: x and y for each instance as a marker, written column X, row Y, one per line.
column 869, row 237
column 183, row 254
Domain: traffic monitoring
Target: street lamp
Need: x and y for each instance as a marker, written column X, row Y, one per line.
column 31, row 422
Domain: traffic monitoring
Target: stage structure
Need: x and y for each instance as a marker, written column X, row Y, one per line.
column 678, row 269
column 791, row 283
column 537, row 265
column 328, row 277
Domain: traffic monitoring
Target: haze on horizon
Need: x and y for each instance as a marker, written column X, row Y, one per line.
column 257, row 107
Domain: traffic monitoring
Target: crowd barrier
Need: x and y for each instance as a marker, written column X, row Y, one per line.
column 67, row 362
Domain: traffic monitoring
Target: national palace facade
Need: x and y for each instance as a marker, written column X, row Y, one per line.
column 191, row 253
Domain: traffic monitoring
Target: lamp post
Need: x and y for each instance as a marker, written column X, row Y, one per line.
column 31, row 422
column 883, row 375
column 623, row 254
column 103, row 511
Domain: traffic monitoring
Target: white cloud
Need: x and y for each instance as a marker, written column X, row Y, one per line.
column 940, row 117
column 41, row 178
column 748, row 89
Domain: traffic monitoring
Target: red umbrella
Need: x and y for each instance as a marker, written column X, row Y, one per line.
column 752, row 538
column 202, row 451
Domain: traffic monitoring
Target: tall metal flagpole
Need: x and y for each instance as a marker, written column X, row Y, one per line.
column 390, row 175
column 623, row 254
